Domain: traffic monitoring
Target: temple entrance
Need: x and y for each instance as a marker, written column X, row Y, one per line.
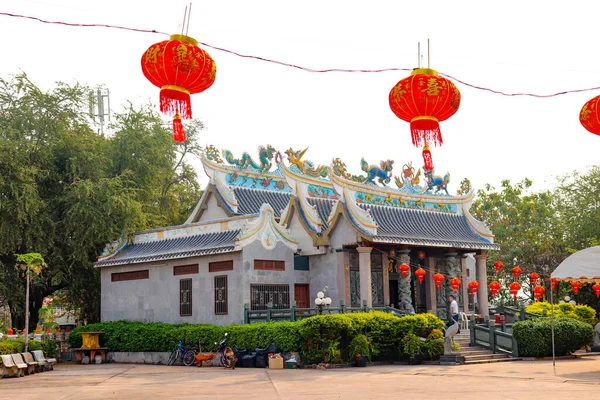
column 394, row 298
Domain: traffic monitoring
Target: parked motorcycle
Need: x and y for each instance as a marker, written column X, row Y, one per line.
column 226, row 354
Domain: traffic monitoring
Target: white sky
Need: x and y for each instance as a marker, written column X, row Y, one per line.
column 513, row 46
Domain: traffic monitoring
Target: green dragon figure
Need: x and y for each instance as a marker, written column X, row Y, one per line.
column 339, row 168
column 213, row 154
column 265, row 155
column 306, row 167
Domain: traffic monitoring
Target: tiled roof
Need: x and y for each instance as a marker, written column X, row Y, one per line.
column 426, row 228
column 166, row 249
column 324, row 207
column 250, row 200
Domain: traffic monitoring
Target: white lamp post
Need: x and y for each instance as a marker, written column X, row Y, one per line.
column 321, row 301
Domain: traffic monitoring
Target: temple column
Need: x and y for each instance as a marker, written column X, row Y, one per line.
column 482, row 292
column 386, row 279
column 464, row 287
column 430, row 294
column 343, row 281
column 364, row 267
column 453, row 269
column 404, row 283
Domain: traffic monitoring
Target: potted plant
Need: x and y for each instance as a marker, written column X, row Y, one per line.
column 360, row 348
column 412, row 347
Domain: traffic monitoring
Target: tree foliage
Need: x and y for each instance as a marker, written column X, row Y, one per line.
column 66, row 191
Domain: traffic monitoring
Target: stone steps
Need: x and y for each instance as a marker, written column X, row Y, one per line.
column 476, row 354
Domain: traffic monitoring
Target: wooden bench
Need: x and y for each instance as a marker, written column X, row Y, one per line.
column 80, row 352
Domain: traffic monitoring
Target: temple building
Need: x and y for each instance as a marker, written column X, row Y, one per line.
column 274, row 232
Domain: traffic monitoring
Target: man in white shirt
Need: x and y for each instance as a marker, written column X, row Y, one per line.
column 454, row 310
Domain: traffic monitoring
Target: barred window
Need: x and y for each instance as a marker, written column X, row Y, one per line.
column 219, row 266
column 271, row 265
column 129, row 276
column 185, row 297
column 221, row 295
column 264, row 295
column 185, row 269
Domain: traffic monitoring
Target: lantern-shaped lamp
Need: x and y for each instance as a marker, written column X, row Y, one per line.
column 404, row 269
column 420, row 273
column 534, row 276
column 179, row 68
column 494, row 287
column 424, row 99
column 554, row 282
column 539, row 291
column 516, row 271
column 455, row 283
column 438, row 278
column 514, row 288
column 473, row 285
column 589, row 117
column 575, row 285
column 596, row 288
column 498, row 265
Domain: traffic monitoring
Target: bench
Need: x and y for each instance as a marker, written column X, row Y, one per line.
column 9, row 368
column 31, row 362
column 18, row 359
column 79, row 353
column 46, row 364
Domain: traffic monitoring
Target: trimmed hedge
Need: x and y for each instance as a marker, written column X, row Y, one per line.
column 11, row 346
column 534, row 336
column 579, row 312
column 319, row 338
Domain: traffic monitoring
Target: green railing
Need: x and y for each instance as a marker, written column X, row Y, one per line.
column 297, row 314
column 496, row 338
column 513, row 314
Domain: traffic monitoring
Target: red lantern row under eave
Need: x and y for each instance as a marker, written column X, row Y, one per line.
column 498, row 265
column 404, row 269
column 534, row 276
column 473, row 285
column 494, row 287
column 514, row 288
column 455, row 283
column 539, row 291
column 590, row 116
column 424, row 99
column 420, row 273
column 516, row 271
column 576, row 285
column 179, row 68
column 438, row 278
column 596, row 289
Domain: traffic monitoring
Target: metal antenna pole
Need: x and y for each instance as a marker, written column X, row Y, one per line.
column 428, row 55
column 183, row 24
column 419, row 54
column 188, row 21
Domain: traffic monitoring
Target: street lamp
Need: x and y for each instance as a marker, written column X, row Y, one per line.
column 321, row 300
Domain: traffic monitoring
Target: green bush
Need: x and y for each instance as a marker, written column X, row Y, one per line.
column 534, row 336
column 11, row 346
column 579, row 312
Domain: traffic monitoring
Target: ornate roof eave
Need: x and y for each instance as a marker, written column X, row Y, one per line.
column 478, row 226
column 337, row 212
column 230, row 169
column 299, row 186
column 265, row 229
column 202, row 205
column 218, row 178
column 431, row 243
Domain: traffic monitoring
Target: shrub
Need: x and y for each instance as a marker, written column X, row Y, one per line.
column 359, row 346
column 534, row 336
column 579, row 312
column 11, row 346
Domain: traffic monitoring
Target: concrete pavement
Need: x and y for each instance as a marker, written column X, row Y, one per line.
column 571, row 379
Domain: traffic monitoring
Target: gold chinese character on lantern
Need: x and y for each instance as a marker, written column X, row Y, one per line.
column 433, row 89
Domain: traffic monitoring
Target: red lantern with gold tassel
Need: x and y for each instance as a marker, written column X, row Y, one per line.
column 473, row 285
column 539, row 291
column 576, row 285
column 534, row 276
column 494, row 287
column 596, row 288
column 420, row 273
column 179, row 68
column 404, row 269
column 590, row 116
column 424, row 99
column 498, row 265
column 438, row 278
column 455, row 283
column 554, row 282
column 516, row 271
column 427, row 160
column 514, row 288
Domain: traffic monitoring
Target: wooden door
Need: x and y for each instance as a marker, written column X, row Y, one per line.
column 301, row 295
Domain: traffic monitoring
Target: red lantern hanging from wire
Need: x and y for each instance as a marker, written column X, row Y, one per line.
column 554, row 282
column 514, row 288
column 455, row 283
column 516, row 271
column 576, row 285
column 427, row 160
column 590, row 117
column 179, row 68
column 596, row 289
column 473, row 285
column 420, row 273
column 539, row 291
column 494, row 287
column 498, row 265
column 534, row 276
column 438, row 278
column 424, row 99
column 404, row 269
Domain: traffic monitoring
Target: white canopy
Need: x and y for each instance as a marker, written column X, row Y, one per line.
column 583, row 266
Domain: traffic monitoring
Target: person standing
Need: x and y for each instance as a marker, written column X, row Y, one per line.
column 454, row 310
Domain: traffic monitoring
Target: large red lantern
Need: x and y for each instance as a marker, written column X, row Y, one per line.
column 427, row 160
column 534, row 276
column 494, row 287
column 596, row 288
column 575, row 285
column 539, row 291
column 514, row 288
column 498, row 265
column 473, row 285
column 590, row 117
column 420, row 273
column 404, row 269
column 179, row 68
column 554, row 282
column 516, row 271
column 455, row 283
column 424, row 99
column 438, row 278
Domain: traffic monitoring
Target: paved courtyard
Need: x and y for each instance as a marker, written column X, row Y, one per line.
column 572, row 379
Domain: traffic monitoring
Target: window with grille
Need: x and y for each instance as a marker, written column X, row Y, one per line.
column 264, row 295
column 221, row 295
column 129, row 276
column 271, row 265
column 185, row 269
column 219, row 266
column 185, row 297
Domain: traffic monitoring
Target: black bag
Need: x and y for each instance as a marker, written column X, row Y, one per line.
column 249, row 360
column 239, row 355
column 273, row 349
column 261, row 358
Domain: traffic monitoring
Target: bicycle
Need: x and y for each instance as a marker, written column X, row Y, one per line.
column 184, row 353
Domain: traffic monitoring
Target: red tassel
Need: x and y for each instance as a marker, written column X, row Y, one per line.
column 178, row 132
column 425, row 130
column 173, row 102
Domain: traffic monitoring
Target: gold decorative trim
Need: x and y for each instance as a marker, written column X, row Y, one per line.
column 176, row 88
column 426, row 71
column 184, row 38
